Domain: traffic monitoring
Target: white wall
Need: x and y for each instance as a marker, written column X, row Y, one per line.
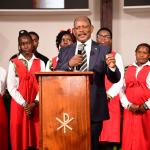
column 129, row 29
column 47, row 26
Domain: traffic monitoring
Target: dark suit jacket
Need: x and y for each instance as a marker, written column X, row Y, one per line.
column 97, row 64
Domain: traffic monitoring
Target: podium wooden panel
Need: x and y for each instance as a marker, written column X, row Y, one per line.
column 64, row 111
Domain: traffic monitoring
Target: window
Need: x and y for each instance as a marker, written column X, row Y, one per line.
column 44, row 4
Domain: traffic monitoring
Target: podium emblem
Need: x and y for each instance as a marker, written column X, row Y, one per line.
column 64, row 123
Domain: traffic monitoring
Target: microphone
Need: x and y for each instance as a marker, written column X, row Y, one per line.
column 80, row 49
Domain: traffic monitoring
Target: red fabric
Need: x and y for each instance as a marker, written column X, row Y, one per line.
column 54, row 62
column 111, row 128
column 24, row 132
column 136, row 128
column 3, row 126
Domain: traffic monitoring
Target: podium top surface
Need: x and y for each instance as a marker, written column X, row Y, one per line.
column 63, row 73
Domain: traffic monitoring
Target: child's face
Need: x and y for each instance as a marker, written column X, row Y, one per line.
column 142, row 55
column 26, row 44
column 65, row 41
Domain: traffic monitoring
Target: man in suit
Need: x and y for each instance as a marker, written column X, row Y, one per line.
column 98, row 61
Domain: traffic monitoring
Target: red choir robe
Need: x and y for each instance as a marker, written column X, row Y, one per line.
column 24, row 132
column 136, row 127
column 3, row 126
column 111, row 128
column 54, row 62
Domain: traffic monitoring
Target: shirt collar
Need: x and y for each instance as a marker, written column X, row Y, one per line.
column 22, row 57
column 146, row 64
column 87, row 43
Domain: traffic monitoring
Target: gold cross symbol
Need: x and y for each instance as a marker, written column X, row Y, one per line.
column 65, row 122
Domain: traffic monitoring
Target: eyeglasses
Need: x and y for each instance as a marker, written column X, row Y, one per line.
column 103, row 36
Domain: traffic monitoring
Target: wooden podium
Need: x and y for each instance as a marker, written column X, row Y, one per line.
column 64, row 110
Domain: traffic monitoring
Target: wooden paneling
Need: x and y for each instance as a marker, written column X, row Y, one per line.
column 106, row 13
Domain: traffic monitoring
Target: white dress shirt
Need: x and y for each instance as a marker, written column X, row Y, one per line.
column 116, row 87
column 13, row 80
column 87, row 48
column 124, row 101
column 2, row 81
column 48, row 65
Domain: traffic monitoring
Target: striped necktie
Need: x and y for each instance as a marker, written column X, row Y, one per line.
column 83, row 66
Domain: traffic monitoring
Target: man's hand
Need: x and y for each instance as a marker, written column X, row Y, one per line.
column 110, row 60
column 75, row 60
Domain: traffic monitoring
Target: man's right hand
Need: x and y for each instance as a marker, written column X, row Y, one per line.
column 75, row 60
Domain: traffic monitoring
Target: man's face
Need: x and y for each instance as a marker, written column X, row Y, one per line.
column 82, row 29
column 142, row 55
column 35, row 41
column 104, row 38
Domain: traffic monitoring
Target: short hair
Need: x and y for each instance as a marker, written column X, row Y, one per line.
column 104, row 29
column 61, row 34
column 34, row 33
column 23, row 33
column 83, row 17
column 143, row 45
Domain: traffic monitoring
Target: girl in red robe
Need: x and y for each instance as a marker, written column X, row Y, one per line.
column 110, row 134
column 3, row 113
column 63, row 39
column 23, row 87
column 135, row 98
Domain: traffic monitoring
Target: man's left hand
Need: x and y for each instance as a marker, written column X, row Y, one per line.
column 110, row 61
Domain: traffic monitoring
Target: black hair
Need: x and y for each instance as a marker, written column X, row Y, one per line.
column 23, row 33
column 61, row 34
column 104, row 29
column 143, row 45
column 34, row 33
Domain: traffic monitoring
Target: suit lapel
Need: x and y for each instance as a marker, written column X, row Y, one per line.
column 93, row 55
column 72, row 50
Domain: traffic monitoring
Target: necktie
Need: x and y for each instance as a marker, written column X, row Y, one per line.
column 25, row 63
column 83, row 66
